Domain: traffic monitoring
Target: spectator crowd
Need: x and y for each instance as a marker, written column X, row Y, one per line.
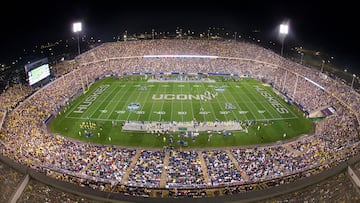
column 26, row 139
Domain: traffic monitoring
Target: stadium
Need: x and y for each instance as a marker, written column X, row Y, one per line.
column 103, row 126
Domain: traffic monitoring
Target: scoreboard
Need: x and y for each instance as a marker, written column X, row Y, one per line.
column 37, row 71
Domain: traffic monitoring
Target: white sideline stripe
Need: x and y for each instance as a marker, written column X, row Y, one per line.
column 103, row 119
column 95, row 119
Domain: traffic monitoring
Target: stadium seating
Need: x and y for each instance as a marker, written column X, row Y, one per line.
column 106, row 168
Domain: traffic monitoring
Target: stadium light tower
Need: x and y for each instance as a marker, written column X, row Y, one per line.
column 352, row 83
column 77, row 27
column 322, row 65
column 302, row 58
column 283, row 31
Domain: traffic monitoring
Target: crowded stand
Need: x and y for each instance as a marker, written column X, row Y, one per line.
column 184, row 170
column 111, row 163
column 221, row 169
column 14, row 94
column 134, row 172
column 147, row 170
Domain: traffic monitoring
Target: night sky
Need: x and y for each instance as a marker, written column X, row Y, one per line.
column 326, row 27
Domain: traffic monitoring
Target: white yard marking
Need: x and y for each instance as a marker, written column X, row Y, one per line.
column 160, row 112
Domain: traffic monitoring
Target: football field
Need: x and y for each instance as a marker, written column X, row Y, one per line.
column 180, row 101
column 110, row 102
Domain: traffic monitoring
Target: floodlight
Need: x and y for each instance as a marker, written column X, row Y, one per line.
column 77, row 27
column 284, row 29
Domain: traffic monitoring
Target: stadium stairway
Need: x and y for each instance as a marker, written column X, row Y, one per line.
column 294, row 151
column 20, row 189
column 236, row 164
column 128, row 170
column 88, row 165
column 203, row 167
column 163, row 174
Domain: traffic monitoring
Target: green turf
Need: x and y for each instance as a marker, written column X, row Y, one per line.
column 111, row 105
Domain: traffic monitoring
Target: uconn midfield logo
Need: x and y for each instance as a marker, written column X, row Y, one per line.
column 206, row 96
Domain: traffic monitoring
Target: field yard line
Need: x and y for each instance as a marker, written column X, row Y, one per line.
column 286, row 108
column 228, row 102
column 265, row 108
column 95, row 119
column 152, row 103
column 162, row 106
column 214, row 109
column 182, row 107
column 97, row 102
column 163, row 101
column 191, row 103
column 172, row 104
column 109, row 103
column 251, row 109
column 277, row 98
column 127, row 90
column 82, row 100
column 137, row 99
column 128, row 84
column 216, row 98
column 116, row 99
column 237, row 104
column 201, row 104
column 98, row 107
column 146, row 99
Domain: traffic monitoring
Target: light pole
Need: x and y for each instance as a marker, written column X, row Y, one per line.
column 322, row 65
column 301, row 57
column 77, row 28
column 352, row 83
column 125, row 36
column 235, row 36
column 283, row 31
